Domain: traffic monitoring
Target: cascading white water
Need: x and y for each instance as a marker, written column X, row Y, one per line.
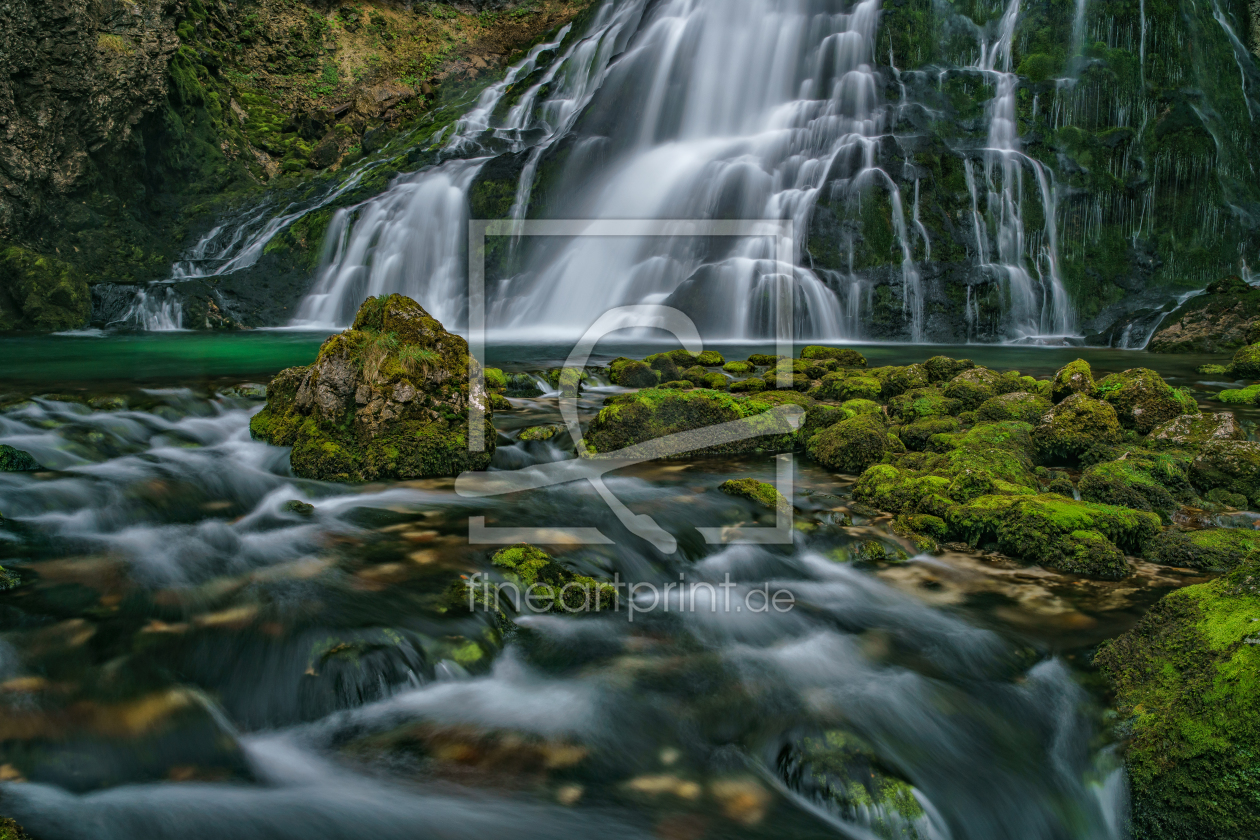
column 1035, row 304
column 155, row 309
column 740, row 112
column 410, row 239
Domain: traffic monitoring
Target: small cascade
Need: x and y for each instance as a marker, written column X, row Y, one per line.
column 156, row 308
column 1036, row 302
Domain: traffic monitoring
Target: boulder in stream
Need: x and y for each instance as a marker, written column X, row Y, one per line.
column 386, row 399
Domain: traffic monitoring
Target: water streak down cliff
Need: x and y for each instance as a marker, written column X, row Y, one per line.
column 965, row 170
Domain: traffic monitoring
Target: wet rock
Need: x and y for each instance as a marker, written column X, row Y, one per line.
column 841, row 386
column 1073, row 378
column 897, row 380
column 943, row 368
column 710, row 358
column 540, row 432
column 1072, row 427
column 1188, row 701
column 1246, row 362
column 1194, row 430
column 1152, row 482
column 919, row 403
column 1143, row 400
column 15, row 460
column 555, row 588
column 1219, row 320
column 972, row 387
column 297, row 506
column 764, row 494
column 751, row 385
column 1017, row 405
column 40, row 292
column 629, row 373
column 915, row 435
column 629, row 419
column 341, row 432
column 1231, row 464
column 496, row 379
column 1213, row 549
column 852, row 445
column 739, row 367
column 521, row 385
column 844, row 356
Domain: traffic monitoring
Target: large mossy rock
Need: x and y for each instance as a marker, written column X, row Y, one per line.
column 629, row 373
column 1187, row 688
column 1082, row 538
column 852, row 445
column 1246, row 362
column 40, row 292
column 1143, row 400
column 1073, row 378
column 386, row 399
column 630, row 419
column 1142, row 481
column 1072, row 427
column 1214, row 549
column 844, row 356
column 1194, row 430
column 973, row 386
column 761, row 492
column 1232, row 465
column 1017, row 405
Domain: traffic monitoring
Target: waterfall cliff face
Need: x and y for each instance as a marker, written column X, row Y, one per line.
column 953, row 171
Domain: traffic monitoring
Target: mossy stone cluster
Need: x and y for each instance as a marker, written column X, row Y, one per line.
column 1187, row 690
column 387, row 399
column 528, row 567
column 761, row 492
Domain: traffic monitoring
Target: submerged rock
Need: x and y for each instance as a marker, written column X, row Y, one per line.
column 562, row 590
column 15, row 460
column 386, row 399
column 1187, row 686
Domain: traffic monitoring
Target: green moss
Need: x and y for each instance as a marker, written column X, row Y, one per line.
column 1194, row 430
column 919, row 403
column 496, row 380
column 530, row 567
column 1072, row 427
column 15, row 460
column 843, row 770
column 915, row 435
column 943, row 368
column 751, row 385
column 629, row 373
column 766, row 495
column 1142, row 481
column 1214, row 549
column 974, row 386
column 739, row 367
column 852, row 445
column 1246, row 362
column 1017, row 405
column 1231, row 464
column 1187, row 687
column 45, row 293
column 844, row 356
column 1143, row 400
column 710, row 358
column 841, row 386
column 1073, row 378
column 630, row 419
column 1240, row 396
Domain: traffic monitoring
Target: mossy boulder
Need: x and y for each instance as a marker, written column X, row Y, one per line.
column 630, row 419
column 629, row 373
column 1154, row 482
column 764, row 359
column 1143, row 400
column 1213, row 549
column 1246, row 362
column 665, row 365
column 677, row 385
column 1057, row 532
column 843, row 356
column 1073, row 378
column 974, row 386
column 41, row 292
column 841, row 386
column 522, row 385
column 1192, row 431
column 710, row 358
column 764, row 494
column 1072, row 427
column 1230, row 464
column 738, row 368
column 1187, row 692
column 1240, row 396
column 897, row 380
column 751, row 385
column 852, row 445
column 943, row 368
column 496, row 380
column 540, row 433
column 386, row 399
column 16, row 460
column 1017, row 405
column 915, row 435
column 918, row 403
column 841, row 770
column 550, row 583
column 898, row 490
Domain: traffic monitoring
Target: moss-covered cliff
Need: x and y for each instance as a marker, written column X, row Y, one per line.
column 130, row 127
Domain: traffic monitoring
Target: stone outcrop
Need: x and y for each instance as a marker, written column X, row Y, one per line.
column 387, row 399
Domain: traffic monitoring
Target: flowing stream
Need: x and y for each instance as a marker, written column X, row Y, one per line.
column 194, row 652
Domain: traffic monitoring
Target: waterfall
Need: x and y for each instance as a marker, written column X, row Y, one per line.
column 1036, row 300
column 156, row 308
